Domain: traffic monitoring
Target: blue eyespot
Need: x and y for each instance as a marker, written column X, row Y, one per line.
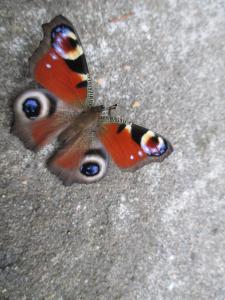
column 62, row 29
column 90, row 169
column 31, row 108
column 163, row 148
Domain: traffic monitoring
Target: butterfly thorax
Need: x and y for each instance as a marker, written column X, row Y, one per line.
column 84, row 122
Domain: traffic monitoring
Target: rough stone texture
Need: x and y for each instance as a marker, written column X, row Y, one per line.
column 155, row 234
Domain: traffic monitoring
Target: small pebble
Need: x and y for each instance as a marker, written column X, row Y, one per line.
column 101, row 82
column 135, row 104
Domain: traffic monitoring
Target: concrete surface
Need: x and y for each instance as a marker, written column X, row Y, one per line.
column 155, row 234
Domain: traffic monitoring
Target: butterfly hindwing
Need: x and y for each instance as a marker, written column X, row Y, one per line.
column 132, row 146
column 79, row 160
column 39, row 117
column 59, row 63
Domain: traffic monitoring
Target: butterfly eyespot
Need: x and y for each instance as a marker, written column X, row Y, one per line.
column 34, row 104
column 65, row 42
column 31, row 108
column 153, row 144
column 90, row 169
column 93, row 166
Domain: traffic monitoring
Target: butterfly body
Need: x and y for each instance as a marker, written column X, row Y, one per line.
column 63, row 109
column 87, row 120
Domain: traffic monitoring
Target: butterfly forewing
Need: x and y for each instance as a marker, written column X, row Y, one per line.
column 132, row 146
column 59, row 63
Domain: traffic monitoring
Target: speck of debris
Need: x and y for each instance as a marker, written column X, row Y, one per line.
column 126, row 67
column 101, row 82
column 121, row 17
column 135, row 104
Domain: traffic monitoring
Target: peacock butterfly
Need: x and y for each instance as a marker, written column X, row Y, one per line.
column 63, row 108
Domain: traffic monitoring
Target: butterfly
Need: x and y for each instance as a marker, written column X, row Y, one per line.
column 62, row 108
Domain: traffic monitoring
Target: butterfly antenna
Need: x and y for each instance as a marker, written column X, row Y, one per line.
column 109, row 108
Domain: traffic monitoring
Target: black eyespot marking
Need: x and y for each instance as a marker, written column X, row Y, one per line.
column 82, row 84
column 121, row 127
column 137, row 132
column 155, row 139
column 90, row 169
column 99, row 152
column 31, row 108
column 52, row 106
column 73, row 42
column 78, row 65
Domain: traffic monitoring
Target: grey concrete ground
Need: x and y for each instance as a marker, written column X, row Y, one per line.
column 155, row 234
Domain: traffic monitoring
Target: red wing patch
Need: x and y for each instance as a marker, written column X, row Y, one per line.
column 44, row 130
column 67, row 159
column 53, row 73
column 131, row 146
